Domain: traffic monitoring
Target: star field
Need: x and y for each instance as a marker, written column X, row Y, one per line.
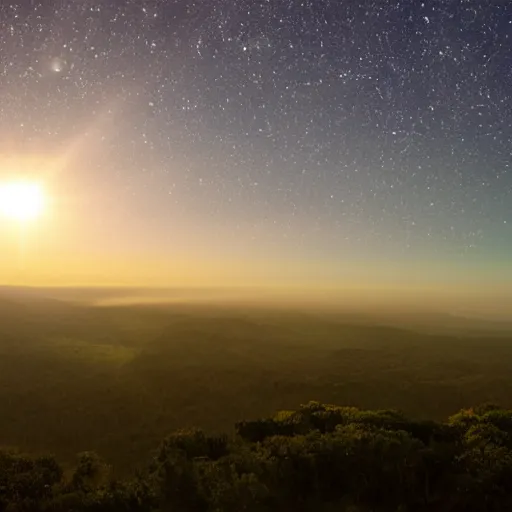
column 307, row 129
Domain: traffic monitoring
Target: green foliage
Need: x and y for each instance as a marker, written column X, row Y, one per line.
column 26, row 483
column 90, row 472
column 120, row 379
column 317, row 458
column 194, row 444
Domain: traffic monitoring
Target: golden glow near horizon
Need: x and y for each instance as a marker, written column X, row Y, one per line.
column 21, row 201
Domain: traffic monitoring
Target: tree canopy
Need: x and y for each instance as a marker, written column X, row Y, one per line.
column 317, row 458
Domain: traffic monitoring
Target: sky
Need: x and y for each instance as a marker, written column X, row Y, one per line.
column 295, row 143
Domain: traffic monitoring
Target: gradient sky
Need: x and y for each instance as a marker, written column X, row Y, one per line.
column 307, row 143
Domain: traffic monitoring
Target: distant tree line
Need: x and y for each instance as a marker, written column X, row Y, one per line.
column 318, row 458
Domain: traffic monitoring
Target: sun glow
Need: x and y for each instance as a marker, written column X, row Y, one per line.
column 21, row 201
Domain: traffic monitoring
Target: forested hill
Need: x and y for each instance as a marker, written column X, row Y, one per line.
column 318, row 458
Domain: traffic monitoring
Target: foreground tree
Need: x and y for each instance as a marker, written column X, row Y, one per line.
column 319, row 458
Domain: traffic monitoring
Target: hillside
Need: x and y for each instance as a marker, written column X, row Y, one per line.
column 116, row 380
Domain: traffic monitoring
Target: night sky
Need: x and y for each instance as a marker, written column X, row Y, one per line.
column 316, row 142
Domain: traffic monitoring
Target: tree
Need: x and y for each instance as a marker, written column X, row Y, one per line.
column 27, row 483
